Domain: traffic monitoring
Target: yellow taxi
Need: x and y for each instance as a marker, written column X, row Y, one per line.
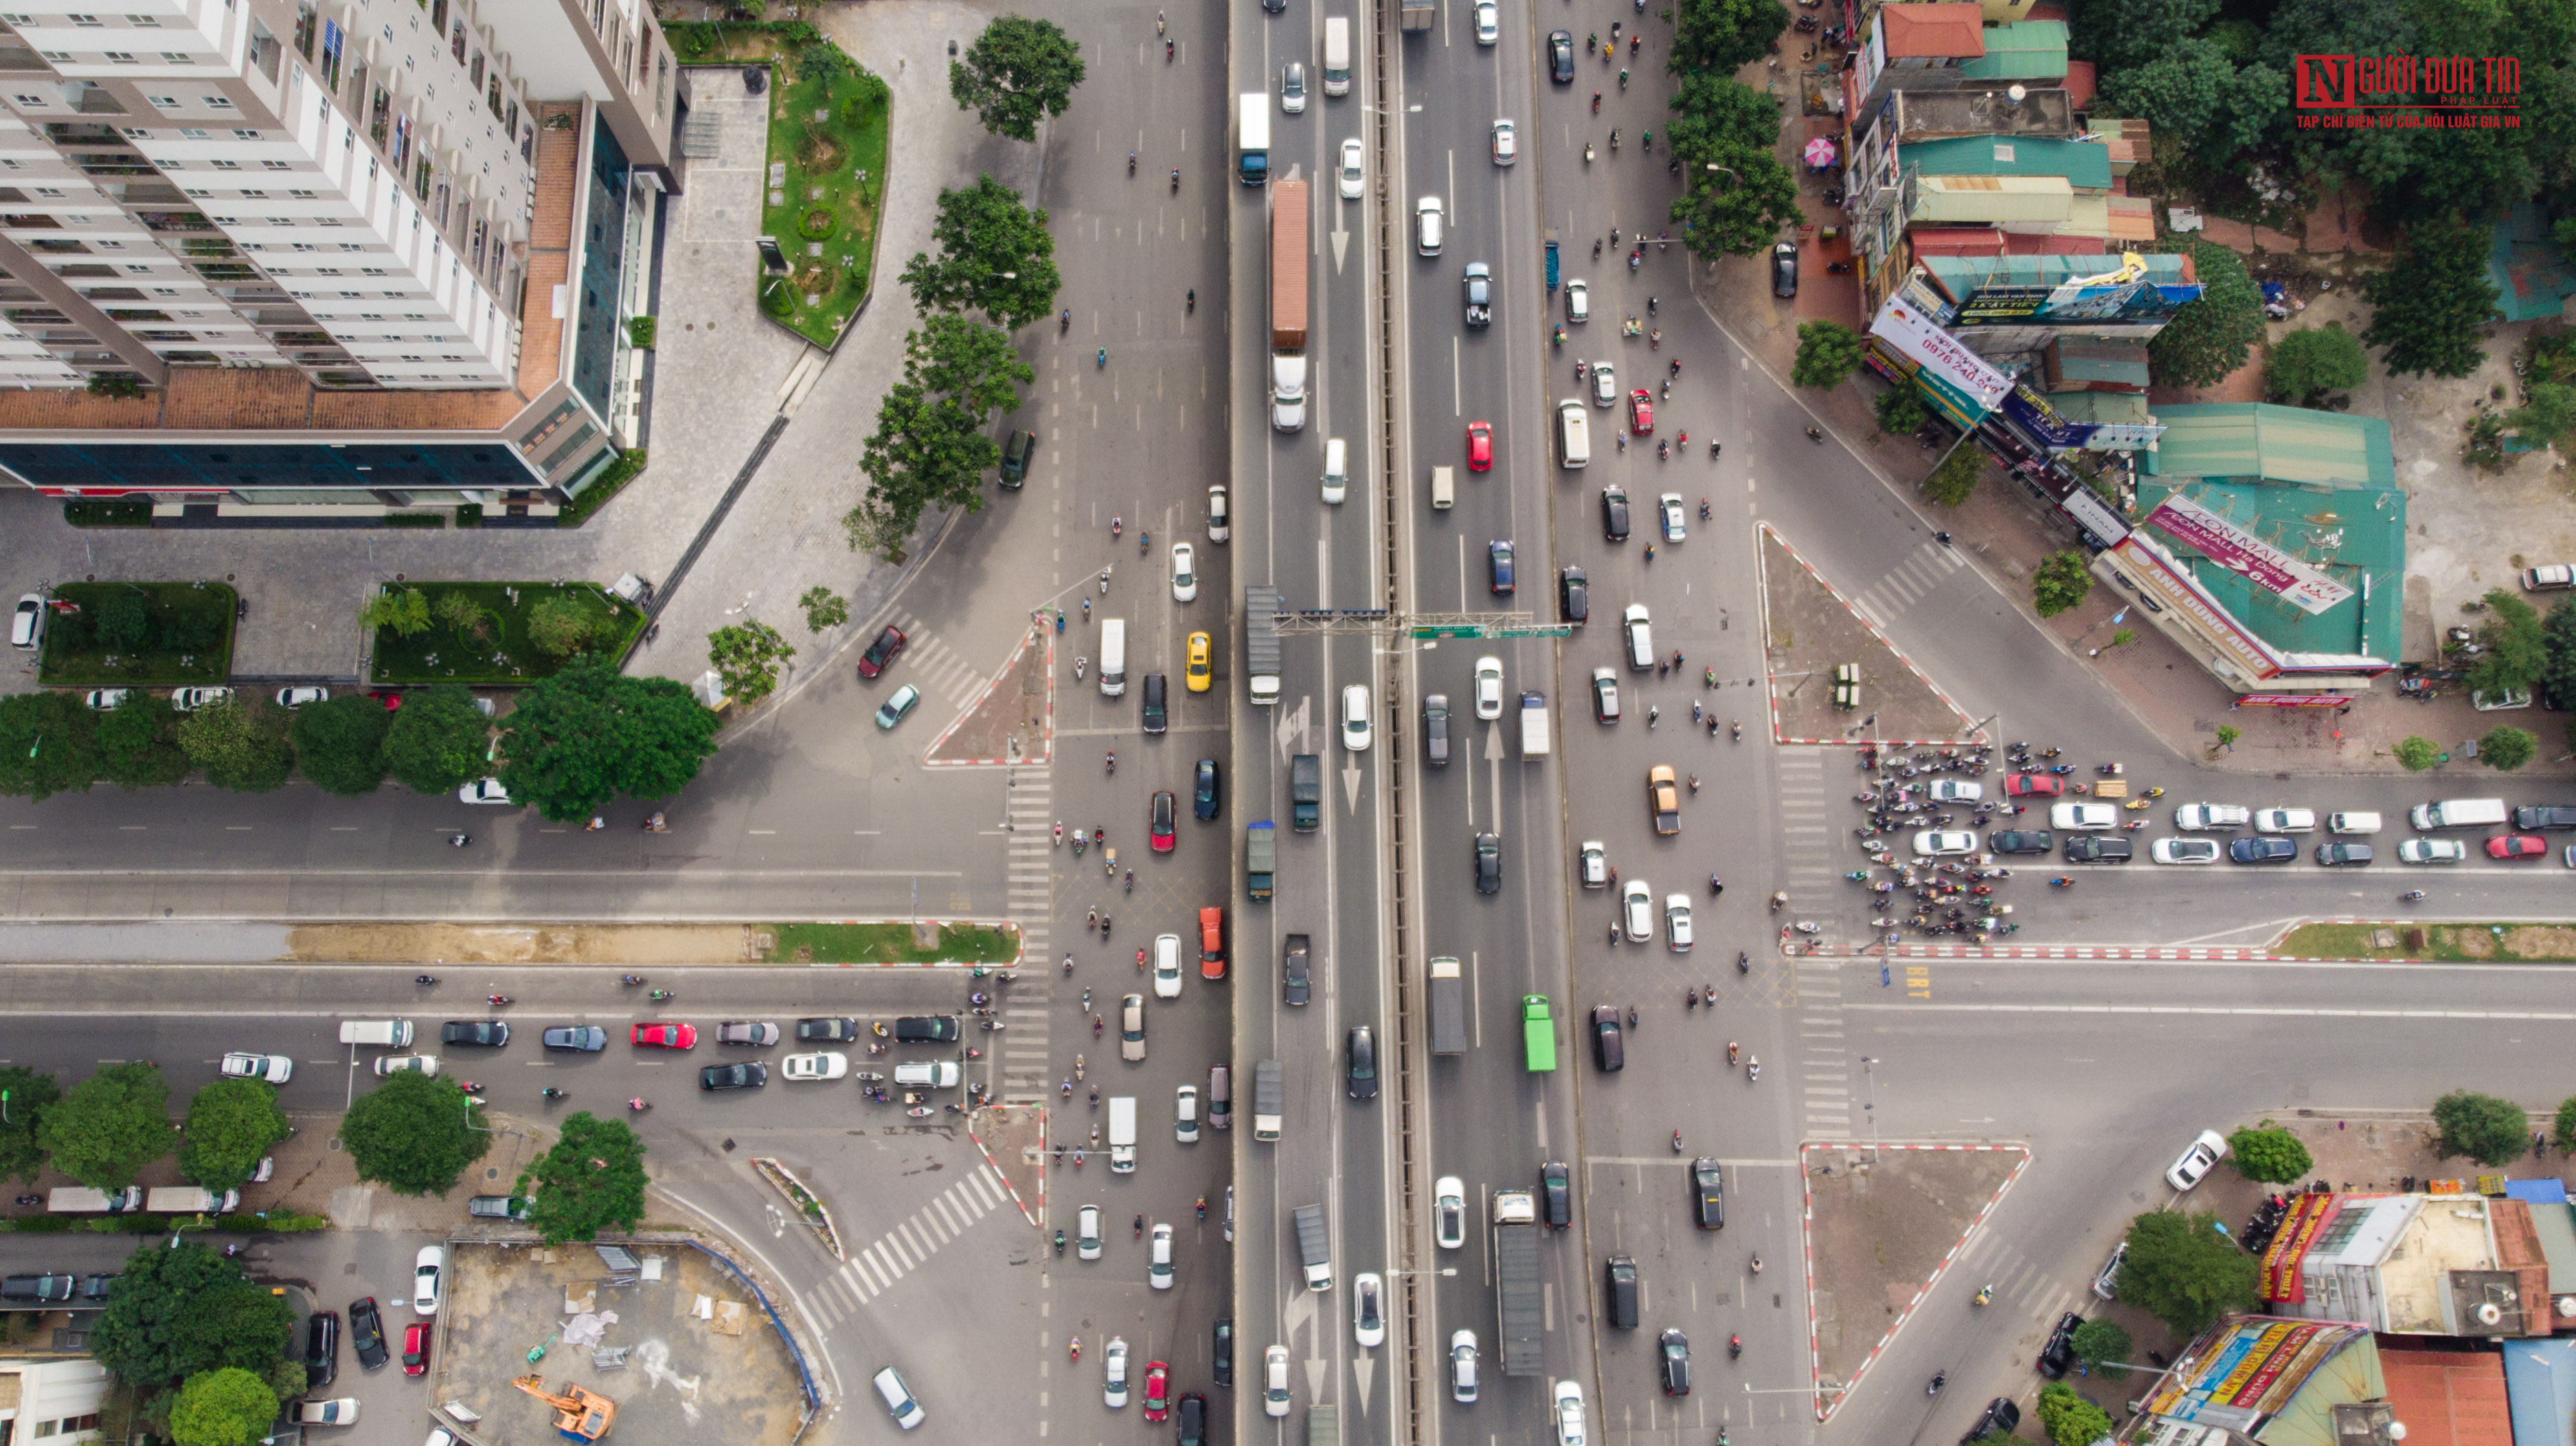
column 1200, row 669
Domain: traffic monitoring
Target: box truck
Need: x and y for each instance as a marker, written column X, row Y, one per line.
column 1448, row 1008
column 1113, row 657
column 1312, row 1248
column 189, row 1200
column 1517, row 1293
column 81, row 1200
column 1260, row 859
column 2459, row 813
column 1337, row 55
column 1122, row 1134
column 1261, row 643
column 1266, row 1102
column 1533, row 725
column 1252, row 137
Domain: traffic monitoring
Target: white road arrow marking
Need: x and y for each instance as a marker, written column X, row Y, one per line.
column 1351, row 785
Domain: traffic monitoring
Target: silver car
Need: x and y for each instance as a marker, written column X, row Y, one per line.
column 1292, row 88
column 1462, row 1368
column 1637, row 908
column 1449, row 1212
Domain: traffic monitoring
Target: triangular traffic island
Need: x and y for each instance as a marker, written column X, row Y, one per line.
column 1883, row 1223
column 1834, row 677
column 1012, row 720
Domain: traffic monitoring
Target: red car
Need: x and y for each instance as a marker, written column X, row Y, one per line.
column 667, row 1036
column 1641, row 411
column 1480, row 446
column 2034, row 785
column 1166, row 816
column 1158, row 1390
column 881, row 653
column 416, row 1348
column 2517, row 846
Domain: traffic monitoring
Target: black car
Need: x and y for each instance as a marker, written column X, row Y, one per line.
column 827, row 1030
column 489, row 1033
column 1560, row 56
column 1015, row 458
column 1619, row 1293
column 1609, row 1048
column 1708, row 1194
column 927, row 1029
column 2335, row 854
column 1556, row 1195
column 1435, row 729
column 584, row 1038
column 367, row 1332
column 1157, row 709
column 1480, row 294
column 2093, row 848
column 2000, row 1419
column 1191, row 1414
column 1360, row 1069
column 2544, row 817
column 1296, row 984
column 2261, row 850
column 321, row 1349
column 1784, row 270
column 1221, row 1365
column 749, row 1075
column 2059, row 1353
column 1674, row 1347
column 1574, row 596
column 98, row 1286
column 39, row 1287
column 1208, row 792
column 1489, row 863
column 2021, row 841
column 1498, row 556
column 1614, row 514
column 881, row 653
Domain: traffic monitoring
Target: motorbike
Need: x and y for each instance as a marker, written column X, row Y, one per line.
column 1059, row 1242
column 1734, row 1346
column 1806, row 926
column 869, row 1077
column 1985, row 1295
column 1939, row 1379
column 664, row 996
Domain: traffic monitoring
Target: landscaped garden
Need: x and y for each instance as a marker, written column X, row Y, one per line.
column 493, row 633
column 139, row 634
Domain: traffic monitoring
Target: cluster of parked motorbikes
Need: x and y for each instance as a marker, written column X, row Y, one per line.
column 2265, row 1223
column 1949, row 897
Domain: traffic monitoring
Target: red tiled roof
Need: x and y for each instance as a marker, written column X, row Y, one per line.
column 1934, row 32
column 2448, row 1398
column 1955, row 241
column 2019, row 244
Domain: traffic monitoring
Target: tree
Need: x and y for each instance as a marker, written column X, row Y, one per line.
column 2228, row 733
column 932, row 446
column 2491, row 1131
column 2192, row 91
column 1738, row 196
column 1720, row 37
column 2060, row 583
column 559, row 626
column 48, row 745
column 405, row 610
column 24, row 1095
column 2183, row 1272
column 1901, row 412
column 1017, row 72
column 340, row 743
column 240, row 743
column 110, row 1126
column 231, row 1124
column 824, row 608
column 179, row 1311
column 2433, row 306
column 2126, row 34
column 2102, row 1345
column 2562, row 1131
column 1956, row 477
column 2415, row 754
column 2506, row 748
column 2208, row 338
column 2306, row 366
column 2558, row 640
column 747, row 658
column 592, row 1180
column 438, row 739
column 2517, row 647
column 2545, row 415
column 413, row 1134
column 588, row 734
column 138, row 742
column 457, row 612
column 124, row 621
column 2068, row 1418
column 995, row 256
column 1827, row 353
column 825, row 62
column 2271, row 1155
column 229, row 1407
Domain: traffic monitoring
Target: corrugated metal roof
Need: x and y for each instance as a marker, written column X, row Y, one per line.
column 1931, row 242
column 2023, row 50
column 2122, row 408
column 2086, row 165
column 1933, row 32
column 1993, row 199
column 2256, row 440
column 1962, row 274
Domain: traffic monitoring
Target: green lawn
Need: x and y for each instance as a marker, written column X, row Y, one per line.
column 495, row 649
column 826, row 156
column 2455, row 943
column 186, row 634
column 890, row 944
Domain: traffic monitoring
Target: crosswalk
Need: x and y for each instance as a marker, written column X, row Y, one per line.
column 933, row 666
column 1824, row 1061
column 876, row 1268
column 1032, row 848
column 1907, row 583
column 2020, row 1283
column 1808, row 827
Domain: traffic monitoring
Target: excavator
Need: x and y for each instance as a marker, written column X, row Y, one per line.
column 580, row 1415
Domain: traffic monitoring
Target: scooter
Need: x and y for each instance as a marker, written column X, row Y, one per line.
column 1986, row 1295
column 1734, row 1346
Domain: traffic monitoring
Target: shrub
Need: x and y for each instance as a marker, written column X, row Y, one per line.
column 820, row 222
column 2506, row 747
column 2273, row 1156
column 1901, row 412
column 2491, row 1131
column 2417, row 753
column 558, row 626
column 2062, row 582
column 1951, row 483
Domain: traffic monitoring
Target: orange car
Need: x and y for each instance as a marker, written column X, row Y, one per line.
column 1212, row 942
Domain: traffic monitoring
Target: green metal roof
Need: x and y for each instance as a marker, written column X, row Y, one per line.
column 2122, row 408
column 2021, row 50
column 2086, row 165
column 2258, row 441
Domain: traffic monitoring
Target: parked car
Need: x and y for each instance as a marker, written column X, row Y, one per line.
column 367, row 1332
column 2335, row 855
column 2000, row 1418
column 757, row 1034
column 2198, row 1159
column 292, row 698
column 579, row 1038
column 321, row 1349
column 2198, row 816
column 1784, row 270
column 415, row 1348
column 2285, row 820
column 2261, row 850
column 2059, row 1353
column 340, row 1412
column 2183, row 851
column 2517, row 846
column 749, row 1075
column 2431, row 851
column 499, row 1207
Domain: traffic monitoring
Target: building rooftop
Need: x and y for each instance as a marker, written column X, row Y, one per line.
column 2085, row 165
column 1933, row 32
column 2027, row 200
column 2277, row 1380
column 2540, row 1388
column 1981, row 111
column 2257, row 441
column 2532, row 280
column 1958, row 275
column 2449, row 1398
column 2022, row 50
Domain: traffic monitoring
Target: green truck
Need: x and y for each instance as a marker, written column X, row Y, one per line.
column 1538, row 1033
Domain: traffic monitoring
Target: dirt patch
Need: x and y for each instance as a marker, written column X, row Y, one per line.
column 2541, row 941
column 1009, row 721
column 552, row 944
column 1883, row 1225
column 1812, row 631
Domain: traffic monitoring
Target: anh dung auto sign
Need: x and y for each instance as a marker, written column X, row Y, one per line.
column 1956, row 376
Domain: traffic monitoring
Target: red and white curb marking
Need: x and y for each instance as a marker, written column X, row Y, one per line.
column 1005, row 1176
column 1825, row 1407
column 1883, row 641
column 1046, row 753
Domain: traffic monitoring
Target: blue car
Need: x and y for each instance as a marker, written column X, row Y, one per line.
column 905, row 699
column 1500, row 555
column 1203, row 799
column 2261, row 850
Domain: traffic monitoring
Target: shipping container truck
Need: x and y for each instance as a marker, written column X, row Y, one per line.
column 1418, row 14
column 1288, row 249
column 1518, row 1305
column 81, row 1200
column 1122, row 1134
column 1261, row 643
column 1252, row 137
column 1448, row 1008
column 1260, row 859
column 1312, row 1248
column 1306, row 792
column 189, row 1200
column 1266, row 1099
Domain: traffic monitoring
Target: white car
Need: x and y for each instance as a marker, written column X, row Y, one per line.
column 823, row 1064
column 1185, row 1114
column 1462, row 1368
column 1113, row 1364
column 2197, row 816
column 1605, row 385
column 2431, row 851
column 1220, row 520
column 1167, row 966
column 393, row 1064
column 1592, row 864
column 1670, row 505
column 1569, row 1414
column 1934, row 843
column 1952, row 790
column 298, row 697
column 1355, row 718
column 2183, row 851
column 2285, row 820
column 189, row 700
column 2083, row 816
column 1507, row 142
column 1185, row 572
column 1368, row 1309
column 1605, row 695
column 1637, row 907
column 2198, row 1161
column 342, row 1412
column 1489, row 24
column 1578, row 301
column 1489, row 688
column 1677, row 923
column 1449, row 1212
column 1352, row 170
column 1274, row 1381
column 1640, row 630
column 1428, row 217
column 1158, row 1261
column 484, row 790
column 274, row 1068
column 27, row 624
column 101, row 700
column 1086, row 1233
column 426, row 1268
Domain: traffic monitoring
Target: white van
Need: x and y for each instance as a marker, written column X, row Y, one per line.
column 2353, row 822
column 898, row 1399
column 1337, row 55
column 2459, row 813
column 937, row 1074
column 1337, row 470
column 1573, row 434
column 1113, row 658
column 389, row 1033
column 1444, row 489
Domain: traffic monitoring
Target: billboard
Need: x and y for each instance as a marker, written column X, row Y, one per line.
column 1957, row 379
column 2282, row 1283
column 2245, row 1376
column 2050, row 427
column 2241, row 552
column 2127, row 301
